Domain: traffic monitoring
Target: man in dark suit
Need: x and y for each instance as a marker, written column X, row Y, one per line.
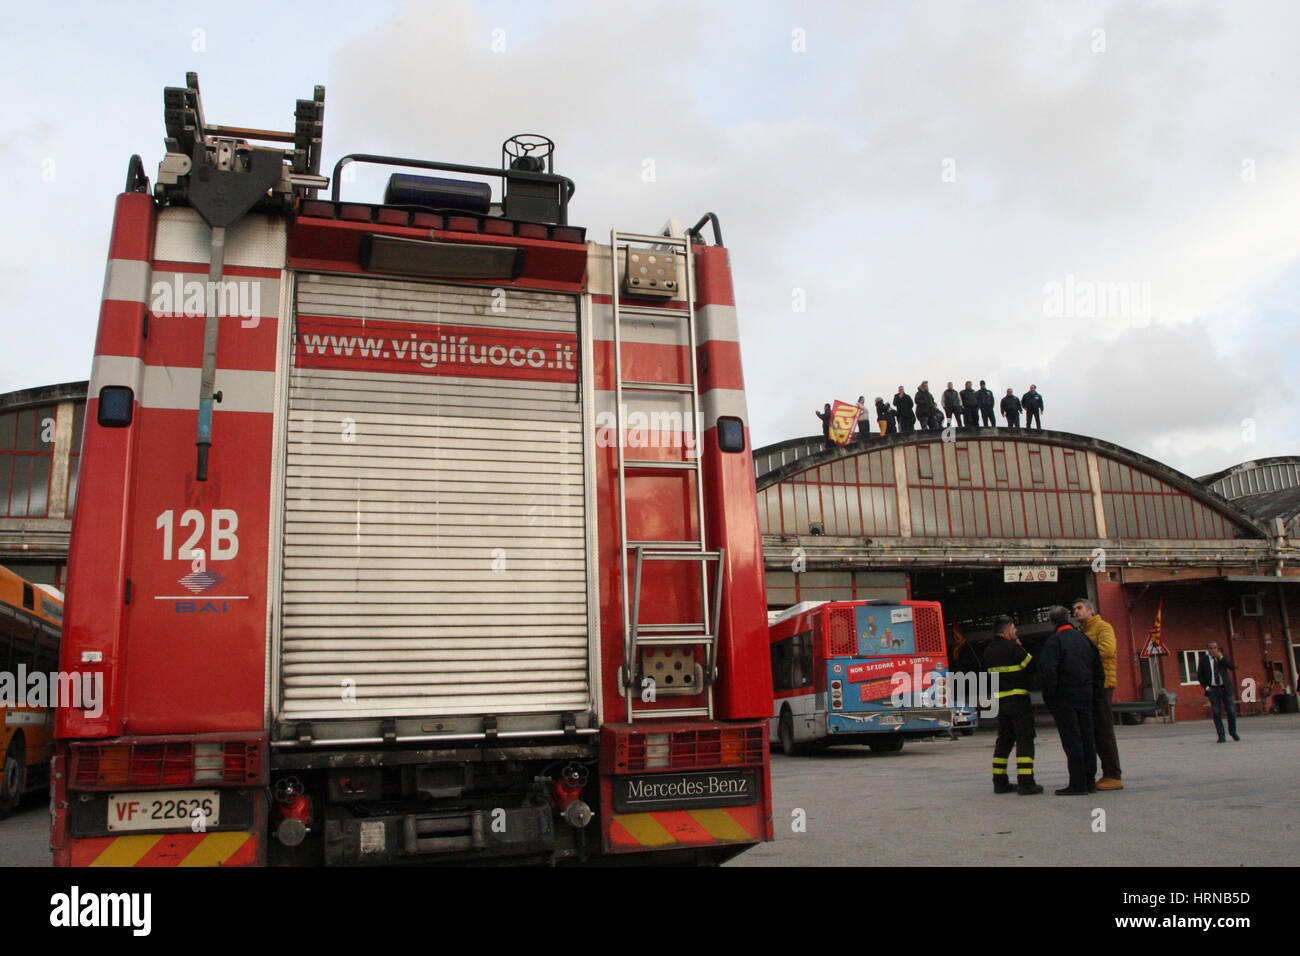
column 1212, row 672
column 1072, row 679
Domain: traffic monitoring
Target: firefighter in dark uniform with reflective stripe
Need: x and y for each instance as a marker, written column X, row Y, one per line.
column 1009, row 662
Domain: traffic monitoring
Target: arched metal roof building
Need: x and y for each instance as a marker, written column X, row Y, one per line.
column 958, row 516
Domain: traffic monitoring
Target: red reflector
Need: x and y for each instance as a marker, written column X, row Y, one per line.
column 462, row 224
column 393, row 217
column 314, row 207
column 429, row 220
column 532, row 230
column 566, row 234
column 354, row 212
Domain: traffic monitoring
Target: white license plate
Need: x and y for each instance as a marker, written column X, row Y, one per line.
column 164, row 810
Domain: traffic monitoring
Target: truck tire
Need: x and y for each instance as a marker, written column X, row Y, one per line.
column 13, row 777
column 785, row 734
column 886, row 745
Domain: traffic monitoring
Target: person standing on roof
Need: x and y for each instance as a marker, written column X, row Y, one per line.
column 1011, row 409
column 1032, row 401
column 925, row 408
column 970, row 412
column 825, row 416
column 984, row 399
column 862, row 430
column 952, row 405
column 903, row 407
column 885, row 419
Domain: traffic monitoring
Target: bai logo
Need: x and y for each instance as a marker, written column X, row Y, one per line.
column 74, row 909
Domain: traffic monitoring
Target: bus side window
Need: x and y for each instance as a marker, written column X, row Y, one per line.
column 792, row 662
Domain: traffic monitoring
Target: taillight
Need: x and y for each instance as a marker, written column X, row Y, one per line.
column 684, row 749
column 165, row 763
column 837, row 694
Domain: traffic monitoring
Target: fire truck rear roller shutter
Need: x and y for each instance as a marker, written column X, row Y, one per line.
column 400, row 492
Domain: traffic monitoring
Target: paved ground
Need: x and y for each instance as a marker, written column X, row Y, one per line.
column 25, row 836
column 1188, row 801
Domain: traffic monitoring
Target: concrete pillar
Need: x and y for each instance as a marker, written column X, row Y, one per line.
column 903, row 495
column 63, row 415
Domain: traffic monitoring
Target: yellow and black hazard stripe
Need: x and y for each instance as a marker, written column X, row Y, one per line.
column 230, row 848
column 664, row 829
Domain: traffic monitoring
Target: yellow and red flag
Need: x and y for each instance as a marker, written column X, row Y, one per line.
column 1155, row 644
column 843, row 417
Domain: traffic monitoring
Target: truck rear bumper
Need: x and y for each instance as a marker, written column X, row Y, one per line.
column 683, row 785
column 405, row 838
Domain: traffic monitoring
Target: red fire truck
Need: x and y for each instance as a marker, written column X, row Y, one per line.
column 412, row 531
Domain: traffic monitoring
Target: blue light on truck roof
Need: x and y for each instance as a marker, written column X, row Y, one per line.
column 434, row 192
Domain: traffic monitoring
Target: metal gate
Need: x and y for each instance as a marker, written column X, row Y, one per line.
column 435, row 515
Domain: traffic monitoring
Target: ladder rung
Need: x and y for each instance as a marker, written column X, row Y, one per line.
column 669, row 628
column 659, row 386
column 651, row 312
column 673, row 545
column 679, row 712
column 673, row 641
column 680, row 555
column 657, row 240
column 666, row 465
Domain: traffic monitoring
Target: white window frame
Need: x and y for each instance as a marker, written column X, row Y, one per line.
column 1196, row 663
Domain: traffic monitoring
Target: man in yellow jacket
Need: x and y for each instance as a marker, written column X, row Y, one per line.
column 1103, row 721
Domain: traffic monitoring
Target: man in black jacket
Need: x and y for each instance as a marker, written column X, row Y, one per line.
column 1011, row 409
column 1212, row 673
column 1032, row 401
column 1009, row 663
column 825, row 416
column 984, row 398
column 952, row 405
column 1072, row 677
column 903, row 407
column 970, row 412
column 925, row 408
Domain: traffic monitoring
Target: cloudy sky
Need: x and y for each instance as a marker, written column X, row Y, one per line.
column 1100, row 198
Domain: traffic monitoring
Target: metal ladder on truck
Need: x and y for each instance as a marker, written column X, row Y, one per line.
column 670, row 642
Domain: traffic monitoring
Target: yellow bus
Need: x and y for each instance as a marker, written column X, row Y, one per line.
column 31, row 620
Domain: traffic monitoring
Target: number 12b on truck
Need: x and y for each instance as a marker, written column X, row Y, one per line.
column 420, row 530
